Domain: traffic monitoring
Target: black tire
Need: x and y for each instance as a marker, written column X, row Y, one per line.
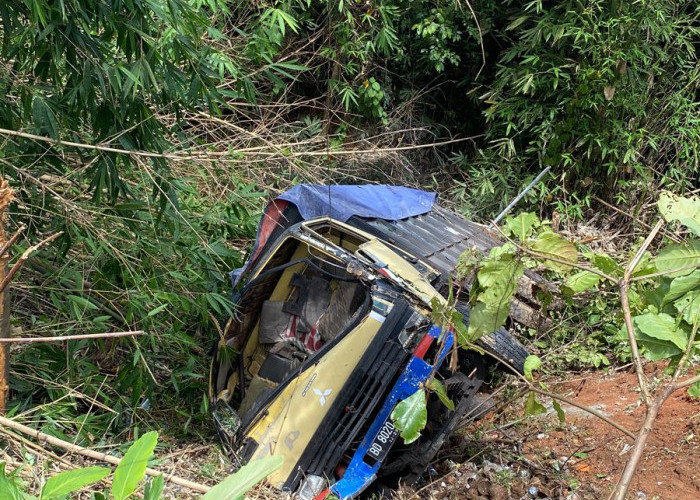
column 504, row 348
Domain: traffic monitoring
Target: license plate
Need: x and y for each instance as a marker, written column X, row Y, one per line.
column 382, row 443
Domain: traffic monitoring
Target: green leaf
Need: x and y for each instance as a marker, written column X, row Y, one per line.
column 485, row 319
column 551, row 244
column 72, row 480
column 410, row 416
column 499, row 281
column 681, row 286
column 532, row 406
column 662, row 327
column 235, row 486
column 81, row 302
column 688, row 307
column 531, row 364
column 132, row 469
column 438, row 388
column 154, row 488
column 605, row 263
column 9, row 490
column 582, row 281
column 44, row 117
column 684, row 210
column 679, row 256
column 694, row 390
column 521, row 226
column 655, row 349
column 560, row 411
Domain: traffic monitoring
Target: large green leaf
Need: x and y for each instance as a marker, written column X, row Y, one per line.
column 235, row 486
column 655, row 349
column 551, row 244
column 679, row 256
column 688, row 307
column 582, row 281
column 684, row 210
column 661, row 327
column 410, row 416
column 485, row 319
column 154, row 488
column 72, row 480
column 132, row 469
column 521, row 225
column 682, row 285
column 499, row 280
column 694, row 390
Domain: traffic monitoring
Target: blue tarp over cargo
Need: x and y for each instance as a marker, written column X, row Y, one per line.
column 339, row 202
column 371, row 201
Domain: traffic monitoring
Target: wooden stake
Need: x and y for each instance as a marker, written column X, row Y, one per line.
column 6, row 197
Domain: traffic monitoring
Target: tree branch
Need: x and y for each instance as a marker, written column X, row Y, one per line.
column 102, row 457
column 23, row 258
column 12, row 240
column 61, row 338
column 623, row 285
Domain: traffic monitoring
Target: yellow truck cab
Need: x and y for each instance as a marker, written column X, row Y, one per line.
column 333, row 329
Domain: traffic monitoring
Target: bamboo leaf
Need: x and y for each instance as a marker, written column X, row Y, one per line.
column 236, row 485
column 132, row 469
column 72, row 480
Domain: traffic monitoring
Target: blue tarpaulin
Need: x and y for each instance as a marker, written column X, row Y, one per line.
column 341, row 202
column 371, row 201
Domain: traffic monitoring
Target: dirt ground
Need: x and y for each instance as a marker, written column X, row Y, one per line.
column 670, row 467
column 582, row 459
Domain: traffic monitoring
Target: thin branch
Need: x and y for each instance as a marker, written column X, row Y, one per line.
column 552, row 395
column 12, row 240
column 623, row 285
column 61, row 338
column 686, row 383
column 102, row 457
column 577, row 265
column 16, row 267
column 481, row 38
column 221, row 154
column 640, row 253
column 588, row 409
column 672, row 237
column 662, row 273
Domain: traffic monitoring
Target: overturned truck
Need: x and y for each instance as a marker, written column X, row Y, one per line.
column 333, row 329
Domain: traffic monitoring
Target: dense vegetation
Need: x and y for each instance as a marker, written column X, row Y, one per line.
column 200, row 109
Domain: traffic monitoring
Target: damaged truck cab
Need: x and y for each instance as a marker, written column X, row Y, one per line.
column 331, row 331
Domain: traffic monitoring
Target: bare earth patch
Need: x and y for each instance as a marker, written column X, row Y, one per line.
column 583, row 458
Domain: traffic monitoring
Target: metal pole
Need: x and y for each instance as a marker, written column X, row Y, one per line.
column 518, row 198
